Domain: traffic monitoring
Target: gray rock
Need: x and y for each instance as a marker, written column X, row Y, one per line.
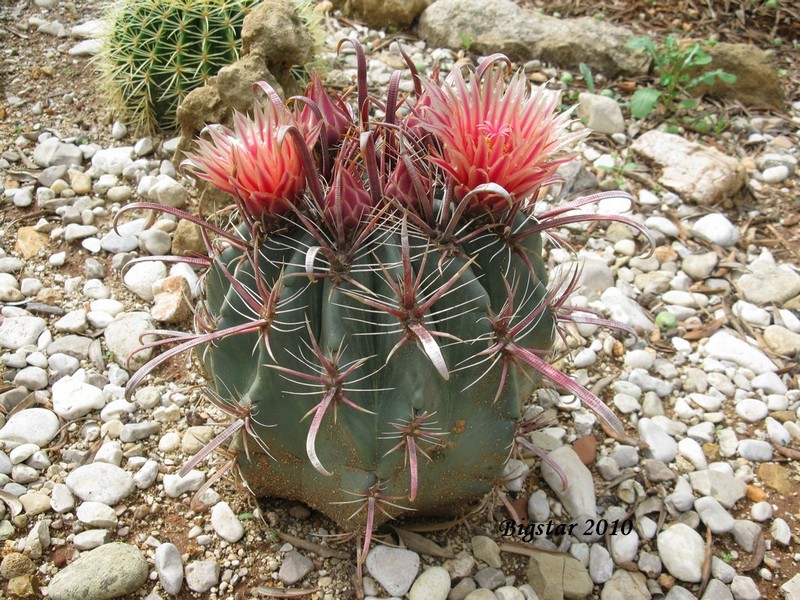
column 701, row 173
column 791, row 589
column 480, row 594
column 744, row 588
column 175, row 485
column 700, row 266
column 767, row 283
column 141, row 277
column 91, row 539
column 294, row 567
column 202, row 575
column 775, row 174
column 502, row 26
column 112, row 160
column 119, row 242
column 578, row 497
column 722, row 570
column 155, row 241
column 52, row 152
column 133, row 432
column 486, row 549
column 147, row 475
column 489, row 578
column 755, row 450
column 23, row 474
column 625, row 585
column 96, row 514
column 601, row 113
column 122, row 338
column 33, row 425
column 432, row 584
column 595, row 275
column 16, row 332
column 38, row 538
column 601, row 565
column 715, row 517
column 661, row 446
column 74, row 232
column 74, row 398
column 723, row 345
column 76, row 346
column 505, row 592
column 746, row 534
column 227, row 526
column 717, row 590
column 110, row 571
column 680, row 593
column 10, row 265
column 170, row 568
column 168, row 192
column 626, row 310
column 538, row 507
column 394, row 568
column 657, row 471
column 782, row 341
column 649, row 564
column 23, row 198
column 682, row 550
column 100, row 482
column 33, row 378
column 726, row 488
column 781, row 532
column 61, row 499
column 623, row 547
column 718, row 229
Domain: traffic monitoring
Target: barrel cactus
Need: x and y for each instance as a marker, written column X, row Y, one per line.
column 157, row 51
column 376, row 309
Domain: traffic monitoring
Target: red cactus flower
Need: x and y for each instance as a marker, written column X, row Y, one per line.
column 347, row 197
column 489, row 134
column 250, row 164
column 407, row 185
column 336, row 114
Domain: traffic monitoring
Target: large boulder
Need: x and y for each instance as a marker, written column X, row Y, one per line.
column 757, row 83
column 699, row 173
column 383, row 14
column 489, row 26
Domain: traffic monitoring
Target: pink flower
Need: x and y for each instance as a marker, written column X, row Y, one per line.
column 336, row 114
column 346, row 194
column 490, row 133
column 250, row 164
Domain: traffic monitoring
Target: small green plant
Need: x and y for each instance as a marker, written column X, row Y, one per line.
column 726, row 557
column 675, row 64
column 466, row 41
column 619, row 169
column 586, row 72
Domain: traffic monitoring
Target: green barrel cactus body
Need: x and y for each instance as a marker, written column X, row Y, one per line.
column 157, row 51
column 472, row 427
column 380, row 313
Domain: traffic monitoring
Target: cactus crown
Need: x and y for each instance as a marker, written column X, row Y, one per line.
column 379, row 311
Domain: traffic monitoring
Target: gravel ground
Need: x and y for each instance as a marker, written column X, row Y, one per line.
column 713, row 394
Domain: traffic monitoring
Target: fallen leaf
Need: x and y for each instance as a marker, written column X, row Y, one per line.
column 421, row 544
